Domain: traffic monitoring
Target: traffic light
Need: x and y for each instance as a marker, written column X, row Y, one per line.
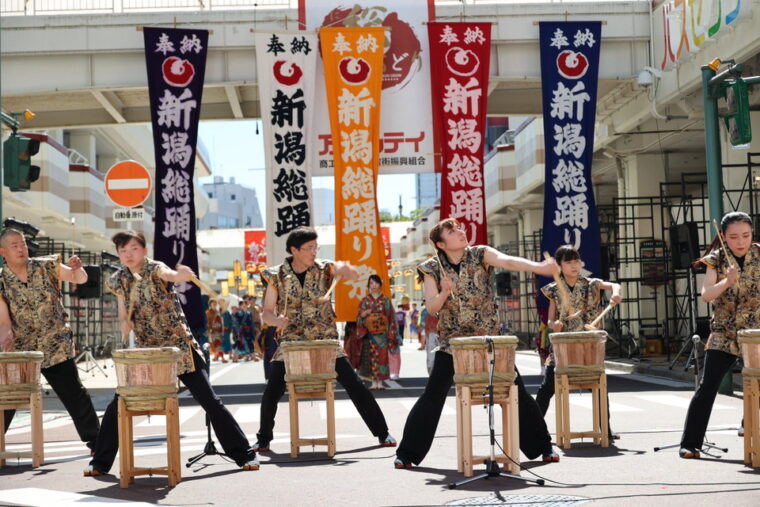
column 18, row 171
column 737, row 118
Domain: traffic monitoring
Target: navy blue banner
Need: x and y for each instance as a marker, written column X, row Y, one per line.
column 176, row 64
column 569, row 72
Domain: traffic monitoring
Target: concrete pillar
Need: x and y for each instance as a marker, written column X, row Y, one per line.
column 85, row 144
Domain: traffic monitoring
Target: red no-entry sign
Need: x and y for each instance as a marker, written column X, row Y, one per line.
column 128, row 184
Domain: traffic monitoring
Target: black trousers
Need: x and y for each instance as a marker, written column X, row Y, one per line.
column 64, row 379
column 717, row 363
column 227, row 430
column 546, row 392
column 422, row 422
column 362, row 399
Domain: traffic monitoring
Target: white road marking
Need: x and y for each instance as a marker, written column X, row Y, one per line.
column 408, row 404
column 673, row 400
column 344, row 409
column 248, row 414
column 584, row 400
column 43, row 497
column 185, row 413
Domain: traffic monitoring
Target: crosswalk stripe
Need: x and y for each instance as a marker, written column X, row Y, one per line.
column 585, row 402
column 344, row 409
column 247, row 414
column 408, row 404
column 185, row 413
column 673, row 400
column 44, row 497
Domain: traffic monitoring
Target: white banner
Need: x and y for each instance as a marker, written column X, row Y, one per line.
column 286, row 68
column 406, row 122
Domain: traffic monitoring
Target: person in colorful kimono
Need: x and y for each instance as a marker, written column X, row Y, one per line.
column 377, row 306
column 585, row 305
column 731, row 287
column 215, row 330
column 457, row 286
column 32, row 318
column 159, row 321
column 292, row 304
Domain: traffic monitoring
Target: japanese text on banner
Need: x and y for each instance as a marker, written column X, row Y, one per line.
column 569, row 69
column 286, row 63
column 176, row 62
column 353, row 64
column 459, row 55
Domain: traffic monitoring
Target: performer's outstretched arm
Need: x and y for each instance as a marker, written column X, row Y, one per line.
column 434, row 299
column 269, row 311
column 495, row 258
column 124, row 322
column 712, row 288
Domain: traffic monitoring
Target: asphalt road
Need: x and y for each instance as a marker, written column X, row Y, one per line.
column 646, row 411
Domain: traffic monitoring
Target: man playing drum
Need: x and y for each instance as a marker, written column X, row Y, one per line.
column 457, row 286
column 157, row 318
column 293, row 304
column 32, row 317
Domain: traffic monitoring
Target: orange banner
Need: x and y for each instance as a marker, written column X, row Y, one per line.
column 353, row 65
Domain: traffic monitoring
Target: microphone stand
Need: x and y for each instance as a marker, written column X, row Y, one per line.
column 694, row 358
column 210, row 448
column 492, row 466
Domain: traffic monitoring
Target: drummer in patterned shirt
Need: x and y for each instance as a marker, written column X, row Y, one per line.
column 457, row 286
column 32, row 318
column 585, row 296
column 291, row 303
column 158, row 321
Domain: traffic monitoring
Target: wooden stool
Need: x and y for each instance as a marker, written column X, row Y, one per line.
column 147, row 380
column 20, row 389
column 298, row 392
column 472, row 368
column 580, row 365
column 310, row 374
column 749, row 340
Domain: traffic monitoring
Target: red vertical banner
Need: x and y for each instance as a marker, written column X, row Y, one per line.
column 255, row 254
column 459, row 61
column 386, row 232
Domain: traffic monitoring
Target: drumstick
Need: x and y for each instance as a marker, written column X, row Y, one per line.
column 286, row 285
column 561, row 287
column 205, row 288
column 326, row 297
column 443, row 273
column 595, row 322
column 725, row 250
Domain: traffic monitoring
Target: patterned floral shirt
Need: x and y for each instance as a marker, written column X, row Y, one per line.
column 38, row 318
column 739, row 305
column 308, row 319
column 586, row 296
column 470, row 309
column 158, row 317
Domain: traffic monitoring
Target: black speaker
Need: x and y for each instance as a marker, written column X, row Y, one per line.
column 504, row 283
column 605, row 261
column 91, row 288
column 684, row 244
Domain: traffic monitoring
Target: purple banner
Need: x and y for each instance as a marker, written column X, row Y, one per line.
column 176, row 63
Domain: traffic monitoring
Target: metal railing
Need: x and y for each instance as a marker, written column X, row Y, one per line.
column 50, row 7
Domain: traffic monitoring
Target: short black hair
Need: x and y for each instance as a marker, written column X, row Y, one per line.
column 299, row 236
column 121, row 238
column 566, row 253
column 375, row 278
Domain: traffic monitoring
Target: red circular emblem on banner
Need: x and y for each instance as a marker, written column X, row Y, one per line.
column 177, row 72
column 354, row 71
column 572, row 65
column 286, row 73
